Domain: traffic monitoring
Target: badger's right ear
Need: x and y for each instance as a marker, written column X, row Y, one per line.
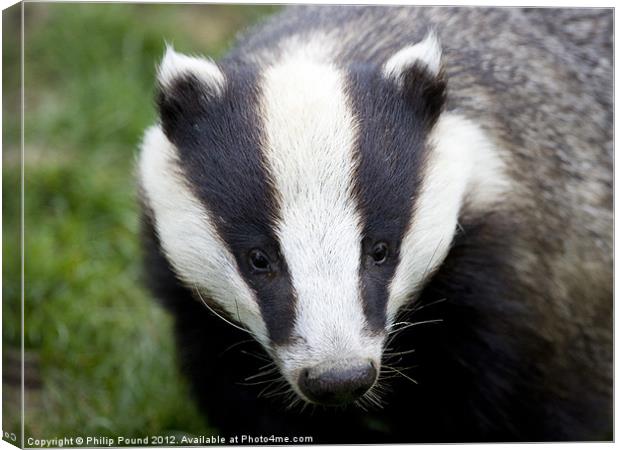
column 185, row 87
column 417, row 71
column 426, row 54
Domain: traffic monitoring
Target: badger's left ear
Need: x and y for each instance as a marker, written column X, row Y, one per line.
column 186, row 87
column 417, row 71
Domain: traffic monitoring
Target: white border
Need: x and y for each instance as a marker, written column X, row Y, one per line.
column 523, row 3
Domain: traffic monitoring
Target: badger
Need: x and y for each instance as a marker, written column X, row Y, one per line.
column 390, row 224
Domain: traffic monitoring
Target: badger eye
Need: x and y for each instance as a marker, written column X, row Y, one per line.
column 259, row 261
column 380, row 253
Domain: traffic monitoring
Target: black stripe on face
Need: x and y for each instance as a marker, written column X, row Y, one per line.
column 219, row 143
column 394, row 123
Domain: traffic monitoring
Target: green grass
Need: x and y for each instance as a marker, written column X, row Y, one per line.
column 105, row 348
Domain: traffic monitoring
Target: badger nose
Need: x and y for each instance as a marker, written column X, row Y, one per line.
column 337, row 382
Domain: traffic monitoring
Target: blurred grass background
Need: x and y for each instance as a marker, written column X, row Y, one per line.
column 101, row 350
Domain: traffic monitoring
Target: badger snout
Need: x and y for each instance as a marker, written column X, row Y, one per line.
column 337, row 382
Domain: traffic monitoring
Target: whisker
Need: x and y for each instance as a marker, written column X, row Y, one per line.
column 391, row 367
column 258, row 383
column 425, row 273
column 397, row 323
column 237, row 308
column 413, row 324
column 260, row 374
column 265, row 392
column 269, row 364
column 245, row 341
column 415, row 308
column 278, row 389
column 406, row 352
column 428, row 266
column 360, row 404
column 373, row 398
column 204, row 302
column 257, row 356
column 401, row 373
column 293, row 399
column 304, row 406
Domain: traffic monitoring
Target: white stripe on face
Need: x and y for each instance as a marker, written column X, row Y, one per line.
column 188, row 237
column 463, row 163
column 309, row 149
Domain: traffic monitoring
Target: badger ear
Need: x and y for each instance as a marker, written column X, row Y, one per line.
column 417, row 72
column 185, row 86
column 175, row 66
column 425, row 54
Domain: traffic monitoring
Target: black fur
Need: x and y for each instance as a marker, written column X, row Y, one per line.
column 394, row 121
column 231, row 179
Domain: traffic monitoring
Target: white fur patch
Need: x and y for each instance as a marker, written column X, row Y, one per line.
column 463, row 162
column 175, row 65
column 310, row 135
column 427, row 52
column 188, row 237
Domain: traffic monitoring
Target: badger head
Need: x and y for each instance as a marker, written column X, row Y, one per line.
column 306, row 201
